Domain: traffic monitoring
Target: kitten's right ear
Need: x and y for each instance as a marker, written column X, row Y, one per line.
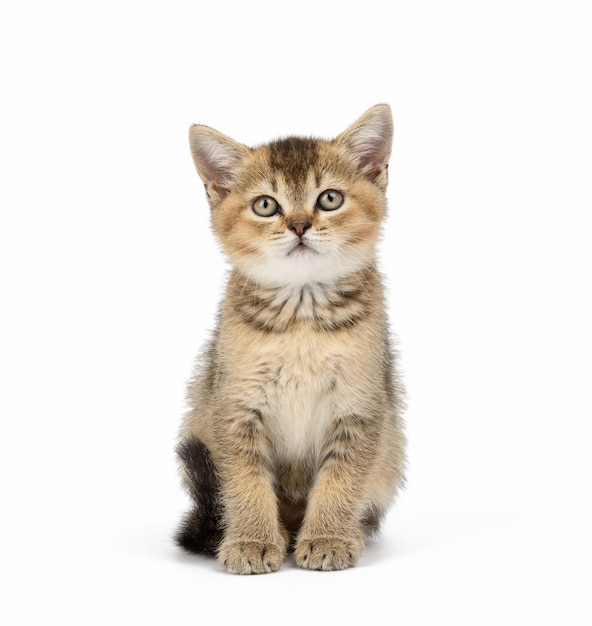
column 217, row 159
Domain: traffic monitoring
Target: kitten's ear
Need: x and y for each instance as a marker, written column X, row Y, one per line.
column 217, row 159
column 369, row 141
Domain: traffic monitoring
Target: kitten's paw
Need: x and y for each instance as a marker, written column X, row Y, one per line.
column 250, row 557
column 327, row 553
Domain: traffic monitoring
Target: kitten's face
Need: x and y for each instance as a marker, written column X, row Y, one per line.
column 298, row 211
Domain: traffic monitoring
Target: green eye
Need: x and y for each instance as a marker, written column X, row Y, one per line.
column 330, row 200
column 265, row 206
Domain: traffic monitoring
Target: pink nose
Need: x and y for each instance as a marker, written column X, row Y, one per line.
column 299, row 226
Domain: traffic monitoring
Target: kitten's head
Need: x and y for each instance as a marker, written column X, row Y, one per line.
column 297, row 210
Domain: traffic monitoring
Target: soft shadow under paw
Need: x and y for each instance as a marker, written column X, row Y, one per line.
column 250, row 557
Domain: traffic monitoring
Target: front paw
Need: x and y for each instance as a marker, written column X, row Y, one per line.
column 250, row 557
column 327, row 553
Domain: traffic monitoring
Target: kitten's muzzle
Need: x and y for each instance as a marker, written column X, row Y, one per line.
column 299, row 226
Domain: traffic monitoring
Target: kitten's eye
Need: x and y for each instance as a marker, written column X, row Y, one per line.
column 330, row 200
column 265, row 206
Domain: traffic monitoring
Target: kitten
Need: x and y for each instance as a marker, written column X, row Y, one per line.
column 294, row 434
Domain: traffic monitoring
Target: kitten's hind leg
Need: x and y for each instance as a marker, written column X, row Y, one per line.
column 371, row 519
column 201, row 529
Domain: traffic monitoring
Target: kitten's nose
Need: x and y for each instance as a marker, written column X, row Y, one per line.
column 299, row 226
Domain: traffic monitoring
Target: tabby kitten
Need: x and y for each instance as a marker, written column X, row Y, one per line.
column 294, row 433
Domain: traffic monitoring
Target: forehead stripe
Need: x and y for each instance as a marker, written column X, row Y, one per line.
column 294, row 157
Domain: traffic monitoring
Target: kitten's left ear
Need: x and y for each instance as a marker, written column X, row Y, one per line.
column 369, row 141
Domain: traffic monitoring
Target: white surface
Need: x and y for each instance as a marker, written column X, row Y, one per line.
column 110, row 279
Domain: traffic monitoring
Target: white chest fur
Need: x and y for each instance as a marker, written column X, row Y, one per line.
column 296, row 394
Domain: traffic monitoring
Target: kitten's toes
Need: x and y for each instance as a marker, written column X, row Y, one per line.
column 250, row 557
column 327, row 553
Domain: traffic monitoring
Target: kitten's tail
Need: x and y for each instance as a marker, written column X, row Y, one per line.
column 201, row 529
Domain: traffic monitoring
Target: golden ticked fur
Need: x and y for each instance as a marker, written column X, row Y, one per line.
column 294, row 433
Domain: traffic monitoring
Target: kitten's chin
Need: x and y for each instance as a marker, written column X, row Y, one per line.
column 303, row 266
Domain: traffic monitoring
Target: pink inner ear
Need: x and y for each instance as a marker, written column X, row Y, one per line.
column 215, row 172
column 369, row 140
column 216, row 177
column 373, row 156
column 217, row 158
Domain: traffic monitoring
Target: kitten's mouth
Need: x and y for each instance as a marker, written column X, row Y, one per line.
column 301, row 248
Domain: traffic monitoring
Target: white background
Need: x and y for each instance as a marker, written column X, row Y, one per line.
column 111, row 277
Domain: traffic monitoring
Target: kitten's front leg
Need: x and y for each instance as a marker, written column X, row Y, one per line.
column 332, row 537
column 254, row 542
